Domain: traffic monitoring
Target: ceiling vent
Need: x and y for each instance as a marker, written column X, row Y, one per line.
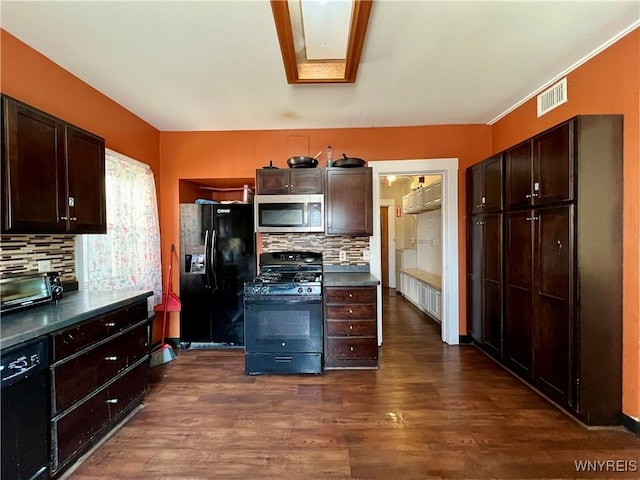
column 552, row 97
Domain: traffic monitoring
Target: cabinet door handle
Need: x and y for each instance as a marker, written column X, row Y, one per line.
column 112, row 358
column 286, row 185
column 532, row 219
column 479, row 223
column 531, row 195
column 73, row 219
column 64, row 218
column 110, row 324
column 112, row 400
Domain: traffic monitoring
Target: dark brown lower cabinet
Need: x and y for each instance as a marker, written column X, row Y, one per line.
column 518, row 328
column 492, row 284
column 553, row 302
column 351, row 339
column 475, row 252
column 539, row 298
column 99, row 374
column 484, row 281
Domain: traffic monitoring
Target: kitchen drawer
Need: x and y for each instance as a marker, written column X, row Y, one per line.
column 352, row 348
column 350, row 295
column 365, row 311
column 351, row 328
column 124, row 391
column 71, row 432
column 76, row 377
column 259, row 363
column 74, row 339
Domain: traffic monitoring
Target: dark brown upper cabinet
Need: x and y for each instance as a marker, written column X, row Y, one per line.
column 540, row 171
column 285, row 181
column 53, row 174
column 484, row 186
column 349, row 202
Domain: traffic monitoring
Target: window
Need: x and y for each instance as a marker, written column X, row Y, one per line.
column 128, row 256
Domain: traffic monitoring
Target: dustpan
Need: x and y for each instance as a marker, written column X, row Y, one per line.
column 170, row 303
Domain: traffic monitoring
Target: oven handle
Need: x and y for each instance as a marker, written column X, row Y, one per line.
column 289, row 299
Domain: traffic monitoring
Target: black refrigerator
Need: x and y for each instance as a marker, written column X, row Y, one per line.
column 217, row 255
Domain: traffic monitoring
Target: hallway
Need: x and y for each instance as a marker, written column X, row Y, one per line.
column 430, row 411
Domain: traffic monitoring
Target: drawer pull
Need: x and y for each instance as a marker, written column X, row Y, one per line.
column 351, row 348
column 112, row 400
column 350, row 312
column 284, row 344
column 351, row 295
column 112, row 358
column 350, row 327
column 110, row 324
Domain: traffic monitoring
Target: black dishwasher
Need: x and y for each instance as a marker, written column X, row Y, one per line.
column 24, row 401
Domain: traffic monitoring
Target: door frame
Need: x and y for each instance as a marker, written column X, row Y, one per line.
column 448, row 168
column 391, row 236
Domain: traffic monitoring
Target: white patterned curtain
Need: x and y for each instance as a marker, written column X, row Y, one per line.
column 128, row 256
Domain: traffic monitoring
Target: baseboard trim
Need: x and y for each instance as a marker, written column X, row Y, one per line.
column 465, row 340
column 631, row 424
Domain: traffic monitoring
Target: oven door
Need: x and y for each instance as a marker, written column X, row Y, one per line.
column 283, row 324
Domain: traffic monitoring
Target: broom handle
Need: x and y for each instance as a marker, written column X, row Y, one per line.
column 166, row 294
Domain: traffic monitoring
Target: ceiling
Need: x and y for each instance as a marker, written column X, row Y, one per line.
column 216, row 65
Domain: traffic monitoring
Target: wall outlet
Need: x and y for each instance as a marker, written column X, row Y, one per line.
column 343, row 256
column 44, row 265
column 365, row 254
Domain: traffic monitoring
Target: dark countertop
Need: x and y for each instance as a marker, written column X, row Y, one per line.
column 74, row 307
column 349, row 278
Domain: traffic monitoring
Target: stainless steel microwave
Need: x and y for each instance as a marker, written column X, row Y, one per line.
column 289, row 213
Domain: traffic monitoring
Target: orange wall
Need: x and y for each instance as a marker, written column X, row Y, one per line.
column 238, row 154
column 32, row 78
column 608, row 83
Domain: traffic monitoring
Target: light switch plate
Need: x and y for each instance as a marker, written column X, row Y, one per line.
column 365, row 254
column 343, row 256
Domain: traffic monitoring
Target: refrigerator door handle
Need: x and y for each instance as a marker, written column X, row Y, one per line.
column 214, row 261
column 207, row 283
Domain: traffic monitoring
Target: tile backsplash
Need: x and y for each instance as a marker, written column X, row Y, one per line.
column 330, row 247
column 21, row 254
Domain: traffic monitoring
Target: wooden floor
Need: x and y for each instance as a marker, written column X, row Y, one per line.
column 430, row 411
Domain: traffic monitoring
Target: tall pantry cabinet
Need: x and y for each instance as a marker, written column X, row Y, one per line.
column 562, row 324
column 484, row 259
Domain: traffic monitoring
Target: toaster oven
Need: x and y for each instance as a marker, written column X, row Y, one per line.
column 18, row 291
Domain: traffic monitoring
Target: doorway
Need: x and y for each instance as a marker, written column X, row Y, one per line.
column 448, row 169
column 384, row 247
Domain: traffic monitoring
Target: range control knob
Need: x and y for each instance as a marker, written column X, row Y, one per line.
column 309, row 290
column 265, row 290
column 299, row 289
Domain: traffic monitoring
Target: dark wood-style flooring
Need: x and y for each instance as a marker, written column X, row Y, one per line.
column 430, row 411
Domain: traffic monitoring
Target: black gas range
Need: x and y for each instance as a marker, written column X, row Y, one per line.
column 283, row 314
